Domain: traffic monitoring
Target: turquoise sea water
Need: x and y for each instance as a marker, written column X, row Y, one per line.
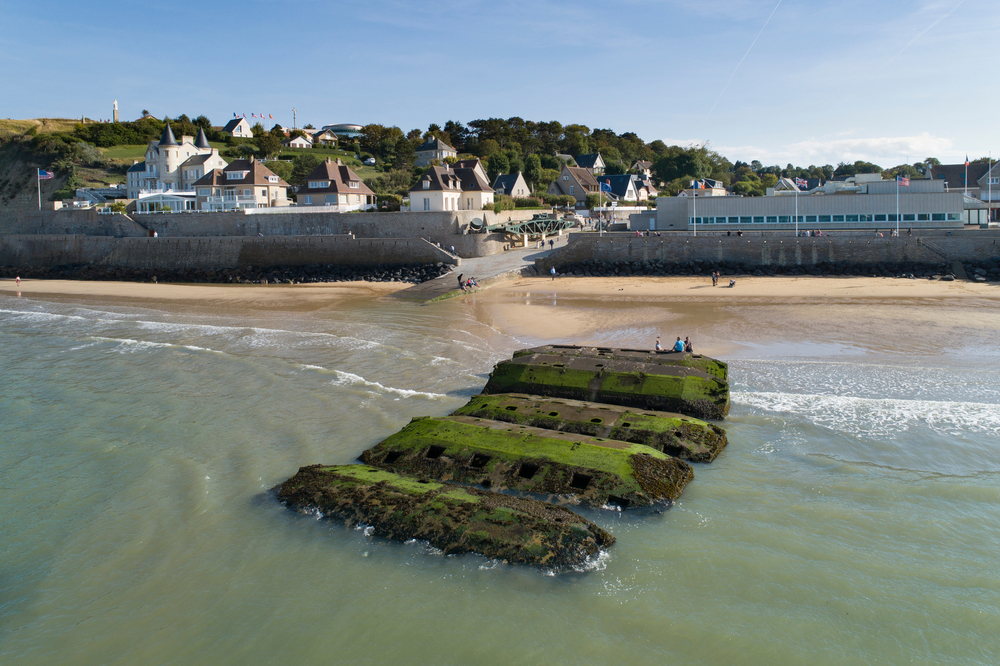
column 854, row 518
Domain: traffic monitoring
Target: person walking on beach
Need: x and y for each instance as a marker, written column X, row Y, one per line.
column 552, row 244
column 552, row 272
column 715, row 278
column 17, row 281
column 687, row 345
column 679, row 345
column 658, row 347
column 460, row 283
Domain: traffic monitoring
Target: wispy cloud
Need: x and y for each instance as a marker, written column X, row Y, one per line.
column 882, row 150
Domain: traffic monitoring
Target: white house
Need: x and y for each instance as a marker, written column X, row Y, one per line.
column 238, row 127
column 433, row 149
column 242, row 184
column 444, row 188
column 513, row 185
column 298, row 142
column 172, row 165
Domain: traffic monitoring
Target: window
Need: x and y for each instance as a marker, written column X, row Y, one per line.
column 881, row 217
column 784, row 219
column 938, row 217
column 331, row 198
column 272, row 179
column 353, row 184
column 772, row 219
column 909, row 217
column 308, row 200
column 994, row 180
column 811, row 218
column 203, row 191
column 318, row 184
column 954, row 217
column 837, row 218
column 427, row 203
column 565, row 177
column 759, row 219
column 263, row 193
column 572, row 189
column 852, row 218
column 824, row 218
column 745, row 220
column 892, row 217
column 427, row 186
column 236, row 175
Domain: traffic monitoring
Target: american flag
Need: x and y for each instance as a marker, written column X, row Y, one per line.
column 45, row 175
column 904, row 181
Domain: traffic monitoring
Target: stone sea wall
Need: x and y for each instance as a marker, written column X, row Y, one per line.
column 652, row 254
column 212, row 253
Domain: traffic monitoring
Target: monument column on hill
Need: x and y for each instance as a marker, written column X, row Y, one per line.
column 114, row 113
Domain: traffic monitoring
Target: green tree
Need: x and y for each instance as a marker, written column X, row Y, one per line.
column 532, row 169
column 267, row 144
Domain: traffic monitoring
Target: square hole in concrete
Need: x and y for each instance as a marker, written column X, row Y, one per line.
column 479, row 461
column 580, row 481
column 391, row 457
column 528, row 470
column 435, row 451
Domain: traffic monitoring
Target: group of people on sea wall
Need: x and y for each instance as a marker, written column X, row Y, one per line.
column 678, row 346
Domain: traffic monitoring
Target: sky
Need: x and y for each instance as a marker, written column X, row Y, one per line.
column 800, row 81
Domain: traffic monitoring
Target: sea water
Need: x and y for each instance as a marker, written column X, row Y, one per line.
column 854, row 517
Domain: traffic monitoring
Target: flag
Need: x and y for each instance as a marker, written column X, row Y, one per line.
column 606, row 186
column 801, row 182
column 966, row 160
column 270, row 116
column 45, row 175
column 253, row 115
column 903, row 181
column 235, row 115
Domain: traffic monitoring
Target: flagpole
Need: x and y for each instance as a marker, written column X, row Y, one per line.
column 966, row 175
column 989, row 189
column 897, row 206
column 796, row 209
column 694, row 210
column 38, row 185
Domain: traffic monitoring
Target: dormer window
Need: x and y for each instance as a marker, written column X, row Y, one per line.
column 318, row 184
column 272, row 179
column 236, row 175
column 427, row 184
column 353, row 184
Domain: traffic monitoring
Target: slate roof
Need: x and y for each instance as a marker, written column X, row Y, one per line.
column 339, row 175
column 434, row 143
column 257, row 174
column 440, row 179
column 167, row 138
column 566, row 159
column 138, row 166
column 232, row 124
column 619, row 183
column 953, row 175
column 196, row 159
column 642, row 165
column 505, row 183
column 588, row 161
column 472, row 180
column 202, row 140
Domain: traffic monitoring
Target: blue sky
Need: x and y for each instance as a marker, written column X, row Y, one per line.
column 802, row 81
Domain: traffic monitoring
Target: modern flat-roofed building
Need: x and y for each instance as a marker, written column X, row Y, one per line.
column 856, row 203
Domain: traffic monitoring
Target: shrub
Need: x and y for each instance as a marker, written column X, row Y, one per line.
column 559, row 199
column 527, row 202
column 501, row 202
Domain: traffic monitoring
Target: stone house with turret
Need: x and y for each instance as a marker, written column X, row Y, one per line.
column 172, row 165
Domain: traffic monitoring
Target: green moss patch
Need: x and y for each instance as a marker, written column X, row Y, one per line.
column 453, row 519
column 631, row 381
column 675, row 434
column 501, row 455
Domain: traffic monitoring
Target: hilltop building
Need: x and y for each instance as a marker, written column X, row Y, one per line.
column 464, row 187
column 333, row 184
column 433, row 149
column 592, row 161
column 242, row 184
column 239, row 128
column 172, row 165
column 344, row 130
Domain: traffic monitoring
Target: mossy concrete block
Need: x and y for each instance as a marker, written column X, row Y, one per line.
column 639, row 382
column 454, row 519
column 674, row 434
column 711, row 366
column 500, row 455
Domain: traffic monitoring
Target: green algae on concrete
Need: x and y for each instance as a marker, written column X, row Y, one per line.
column 452, row 518
column 707, row 364
column 501, row 455
column 629, row 378
column 674, row 434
